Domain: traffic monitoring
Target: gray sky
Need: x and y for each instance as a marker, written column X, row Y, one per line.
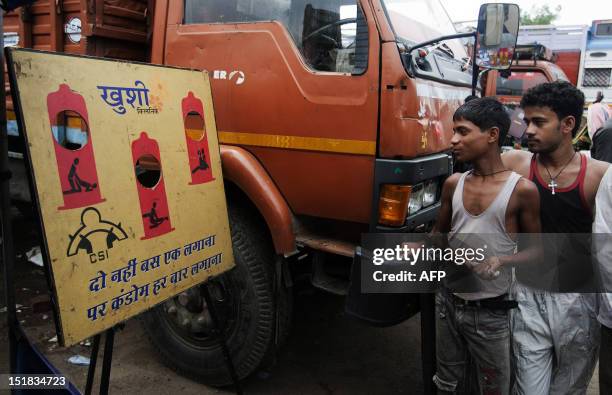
column 573, row 12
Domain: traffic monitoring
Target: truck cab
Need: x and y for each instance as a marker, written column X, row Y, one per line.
column 319, row 95
column 597, row 66
column 532, row 65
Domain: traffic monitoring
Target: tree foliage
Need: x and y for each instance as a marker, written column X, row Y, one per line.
column 540, row 15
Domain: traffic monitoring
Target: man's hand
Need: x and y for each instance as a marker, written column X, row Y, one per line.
column 487, row 270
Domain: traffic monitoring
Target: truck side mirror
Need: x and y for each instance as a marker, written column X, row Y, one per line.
column 497, row 32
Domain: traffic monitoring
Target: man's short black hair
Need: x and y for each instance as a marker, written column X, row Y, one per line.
column 561, row 97
column 486, row 113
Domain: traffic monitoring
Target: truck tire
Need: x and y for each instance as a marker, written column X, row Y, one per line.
column 181, row 330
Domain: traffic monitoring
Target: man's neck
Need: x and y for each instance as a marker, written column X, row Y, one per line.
column 488, row 164
column 557, row 158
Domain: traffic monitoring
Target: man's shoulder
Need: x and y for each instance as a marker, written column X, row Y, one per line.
column 453, row 179
column 526, row 190
column 451, row 182
column 515, row 158
column 596, row 169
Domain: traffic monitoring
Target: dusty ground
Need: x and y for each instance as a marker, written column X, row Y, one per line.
column 327, row 352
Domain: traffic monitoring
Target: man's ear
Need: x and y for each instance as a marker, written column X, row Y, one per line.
column 567, row 124
column 493, row 135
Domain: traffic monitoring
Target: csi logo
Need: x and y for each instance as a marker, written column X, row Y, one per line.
column 95, row 236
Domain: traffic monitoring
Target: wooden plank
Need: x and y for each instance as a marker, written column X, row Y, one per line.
column 124, row 12
column 25, row 27
column 119, row 33
column 127, row 24
column 56, row 17
column 99, row 13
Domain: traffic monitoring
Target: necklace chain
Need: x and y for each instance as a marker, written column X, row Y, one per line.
column 563, row 168
column 489, row 174
column 553, row 183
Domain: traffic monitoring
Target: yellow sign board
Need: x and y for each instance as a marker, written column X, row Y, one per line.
column 127, row 175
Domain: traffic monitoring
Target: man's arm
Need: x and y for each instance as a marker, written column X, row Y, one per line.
column 438, row 235
column 443, row 223
column 529, row 222
column 595, row 172
column 529, row 207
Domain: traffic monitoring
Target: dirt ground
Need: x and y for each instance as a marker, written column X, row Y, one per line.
column 327, row 352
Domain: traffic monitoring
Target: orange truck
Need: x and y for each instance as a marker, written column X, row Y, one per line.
column 532, row 65
column 335, row 119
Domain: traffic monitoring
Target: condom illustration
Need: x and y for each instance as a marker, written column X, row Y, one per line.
column 200, row 165
column 151, row 188
column 73, row 146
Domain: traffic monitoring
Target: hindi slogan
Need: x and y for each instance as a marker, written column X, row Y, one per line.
column 114, row 96
column 127, row 273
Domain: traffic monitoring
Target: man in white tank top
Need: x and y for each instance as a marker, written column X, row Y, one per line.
column 484, row 205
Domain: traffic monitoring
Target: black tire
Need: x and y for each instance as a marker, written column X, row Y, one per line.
column 248, row 312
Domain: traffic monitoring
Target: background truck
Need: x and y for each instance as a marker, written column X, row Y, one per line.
column 532, row 64
column 331, row 126
column 583, row 52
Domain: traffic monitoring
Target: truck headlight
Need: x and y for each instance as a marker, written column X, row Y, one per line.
column 430, row 193
column 416, row 199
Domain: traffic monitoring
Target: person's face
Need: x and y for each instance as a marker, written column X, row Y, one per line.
column 545, row 131
column 469, row 142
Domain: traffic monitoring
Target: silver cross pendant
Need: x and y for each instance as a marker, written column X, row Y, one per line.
column 552, row 184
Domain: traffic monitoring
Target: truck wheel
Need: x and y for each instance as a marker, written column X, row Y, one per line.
column 181, row 328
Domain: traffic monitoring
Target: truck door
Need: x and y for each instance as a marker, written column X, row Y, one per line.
column 295, row 82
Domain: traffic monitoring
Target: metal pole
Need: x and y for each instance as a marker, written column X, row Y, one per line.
column 106, row 362
column 475, row 68
column 91, row 372
column 428, row 341
column 5, row 214
column 221, row 336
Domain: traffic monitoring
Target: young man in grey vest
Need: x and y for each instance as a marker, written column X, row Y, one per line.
column 482, row 207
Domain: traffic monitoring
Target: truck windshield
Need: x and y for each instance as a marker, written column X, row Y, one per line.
column 415, row 21
column 604, row 29
column 518, row 82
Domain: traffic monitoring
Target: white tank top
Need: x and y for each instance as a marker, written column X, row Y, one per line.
column 477, row 231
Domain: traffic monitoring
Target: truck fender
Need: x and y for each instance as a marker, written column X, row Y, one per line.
column 243, row 169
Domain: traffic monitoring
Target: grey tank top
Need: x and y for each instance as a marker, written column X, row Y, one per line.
column 477, row 231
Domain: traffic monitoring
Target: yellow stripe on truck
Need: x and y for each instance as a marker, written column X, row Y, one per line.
column 358, row 147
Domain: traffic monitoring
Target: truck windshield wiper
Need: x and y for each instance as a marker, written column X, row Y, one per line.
column 442, row 47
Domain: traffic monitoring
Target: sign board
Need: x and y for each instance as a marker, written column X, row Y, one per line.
column 126, row 172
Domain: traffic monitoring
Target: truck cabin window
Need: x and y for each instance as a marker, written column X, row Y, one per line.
column 330, row 35
column 603, row 29
column 518, row 82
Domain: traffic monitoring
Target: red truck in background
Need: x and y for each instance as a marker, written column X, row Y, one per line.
column 334, row 118
column 531, row 65
column 583, row 52
column 564, row 45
